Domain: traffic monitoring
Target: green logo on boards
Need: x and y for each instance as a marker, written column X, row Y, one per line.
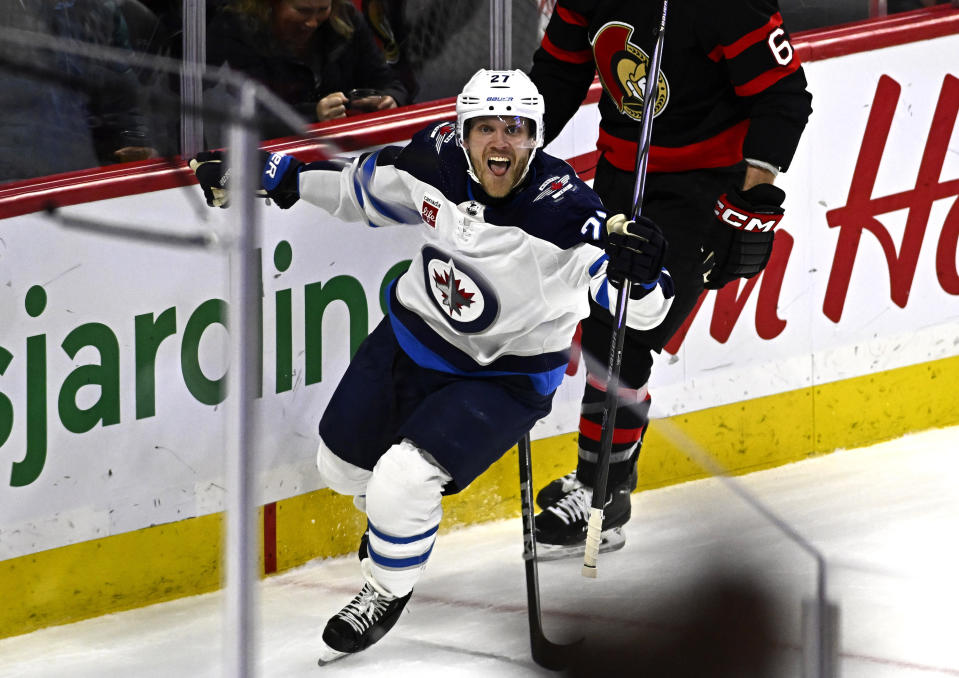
column 153, row 332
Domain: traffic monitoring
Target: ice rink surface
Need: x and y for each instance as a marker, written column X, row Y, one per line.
column 700, row 570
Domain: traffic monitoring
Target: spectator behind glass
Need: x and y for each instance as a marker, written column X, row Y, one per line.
column 72, row 112
column 386, row 18
column 310, row 53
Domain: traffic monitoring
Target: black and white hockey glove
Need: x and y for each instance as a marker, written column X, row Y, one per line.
column 279, row 179
column 213, row 174
column 636, row 250
column 740, row 246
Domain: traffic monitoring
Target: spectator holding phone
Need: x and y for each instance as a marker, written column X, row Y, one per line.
column 310, row 53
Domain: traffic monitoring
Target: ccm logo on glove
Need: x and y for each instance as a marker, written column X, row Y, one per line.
column 742, row 241
column 742, row 219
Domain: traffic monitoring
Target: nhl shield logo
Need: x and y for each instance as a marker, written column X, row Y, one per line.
column 430, row 210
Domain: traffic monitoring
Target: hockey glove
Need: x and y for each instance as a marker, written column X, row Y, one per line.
column 213, row 174
column 636, row 250
column 281, row 179
column 740, row 246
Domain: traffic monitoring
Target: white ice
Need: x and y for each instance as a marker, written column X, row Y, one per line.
column 886, row 518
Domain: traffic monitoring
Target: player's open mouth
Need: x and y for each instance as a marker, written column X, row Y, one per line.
column 498, row 165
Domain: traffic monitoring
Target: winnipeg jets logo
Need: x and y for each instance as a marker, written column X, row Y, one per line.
column 459, row 293
column 453, row 296
column 554, row 186
column 622, row 70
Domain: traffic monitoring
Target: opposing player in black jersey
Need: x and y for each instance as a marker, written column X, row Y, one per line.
column 731, row 105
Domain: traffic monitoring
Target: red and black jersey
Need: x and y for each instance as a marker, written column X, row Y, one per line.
column 730, row 85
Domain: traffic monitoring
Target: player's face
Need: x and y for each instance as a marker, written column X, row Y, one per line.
column 499, row 149
column 295, row 21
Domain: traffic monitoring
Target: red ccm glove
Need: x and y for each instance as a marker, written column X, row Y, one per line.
column 740, row 245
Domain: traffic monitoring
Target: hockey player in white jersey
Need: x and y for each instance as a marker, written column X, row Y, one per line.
column 478, row 330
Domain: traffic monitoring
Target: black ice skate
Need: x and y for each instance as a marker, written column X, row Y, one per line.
column 561, row 527
column 554, row 491
column 557, row 489
column 361, row 623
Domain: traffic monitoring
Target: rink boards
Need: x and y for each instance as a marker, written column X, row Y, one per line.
column 113, row 376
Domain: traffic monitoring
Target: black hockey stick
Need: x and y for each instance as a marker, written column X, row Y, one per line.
column 595, row 527
column 546, row 653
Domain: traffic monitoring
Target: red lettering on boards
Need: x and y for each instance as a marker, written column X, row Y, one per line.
column 861, row 209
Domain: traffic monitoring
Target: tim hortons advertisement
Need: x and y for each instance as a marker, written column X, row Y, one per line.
column 114, row 365
column 863, row 276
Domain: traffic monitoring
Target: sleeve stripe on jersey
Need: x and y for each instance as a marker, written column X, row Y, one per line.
column 571, row 17
column 594, row 269
column 761, row 82
column 581, row 56
column 397, row 213
column 602, row 295
column 735, row 49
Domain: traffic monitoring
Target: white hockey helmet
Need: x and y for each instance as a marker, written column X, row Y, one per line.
column 503, row 94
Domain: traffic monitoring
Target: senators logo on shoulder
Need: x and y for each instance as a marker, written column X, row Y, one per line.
column 622, row 70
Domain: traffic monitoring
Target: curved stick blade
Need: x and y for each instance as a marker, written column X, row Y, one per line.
column 553, row 656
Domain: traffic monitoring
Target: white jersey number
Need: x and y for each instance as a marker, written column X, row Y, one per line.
column 782, row 50
column 594, row 225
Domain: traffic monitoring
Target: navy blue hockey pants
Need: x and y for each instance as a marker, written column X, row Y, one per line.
column 464, row 423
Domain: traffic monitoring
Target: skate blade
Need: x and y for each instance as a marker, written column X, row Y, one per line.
column 612, row 539
column 328, row 654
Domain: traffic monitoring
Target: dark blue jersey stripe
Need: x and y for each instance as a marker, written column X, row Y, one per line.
column 429, row 350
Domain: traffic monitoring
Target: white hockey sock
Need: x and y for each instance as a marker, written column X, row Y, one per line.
column 404, row 511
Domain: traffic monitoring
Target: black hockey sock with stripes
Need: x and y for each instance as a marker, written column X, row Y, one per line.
column 632, row 419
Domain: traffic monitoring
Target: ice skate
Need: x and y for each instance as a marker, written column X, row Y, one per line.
column 363, row 621
column 561, row 527
column 555, row 490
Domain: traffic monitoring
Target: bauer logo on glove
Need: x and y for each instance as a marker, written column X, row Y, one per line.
column 279, row 177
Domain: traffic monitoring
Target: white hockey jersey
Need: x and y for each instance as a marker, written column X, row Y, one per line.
column 496, row 288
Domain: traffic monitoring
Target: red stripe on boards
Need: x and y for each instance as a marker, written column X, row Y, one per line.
column 269, row 538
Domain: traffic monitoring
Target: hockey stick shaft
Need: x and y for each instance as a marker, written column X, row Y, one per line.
column 545, row 653
column 615, row 361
